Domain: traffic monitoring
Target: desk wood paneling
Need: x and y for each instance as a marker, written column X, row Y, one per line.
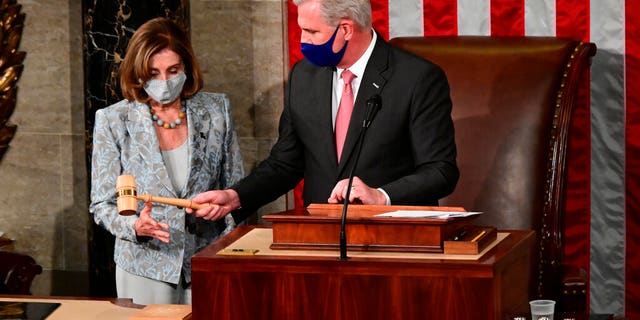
column 297, row 287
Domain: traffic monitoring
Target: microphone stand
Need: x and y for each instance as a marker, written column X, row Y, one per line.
column 374, row 104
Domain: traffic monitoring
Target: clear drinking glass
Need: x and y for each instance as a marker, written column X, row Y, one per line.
column 542, row 309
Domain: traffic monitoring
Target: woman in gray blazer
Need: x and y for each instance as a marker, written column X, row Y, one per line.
column 177, row 142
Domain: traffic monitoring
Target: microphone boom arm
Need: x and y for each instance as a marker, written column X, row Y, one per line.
column 374, row 103
column 343, row 221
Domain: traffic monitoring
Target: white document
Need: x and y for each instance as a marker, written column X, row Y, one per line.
column 426, row 214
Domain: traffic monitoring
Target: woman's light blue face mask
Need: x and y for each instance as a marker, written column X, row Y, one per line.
column 165, row 91
column 322, row 55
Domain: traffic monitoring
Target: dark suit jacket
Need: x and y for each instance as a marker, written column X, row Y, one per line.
column 409, row 149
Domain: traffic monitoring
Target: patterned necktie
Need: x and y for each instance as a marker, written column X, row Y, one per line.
column 344, row 111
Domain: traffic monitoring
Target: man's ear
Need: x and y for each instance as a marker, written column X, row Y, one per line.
column 348, row 27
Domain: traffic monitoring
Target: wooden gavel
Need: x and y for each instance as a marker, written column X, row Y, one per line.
column 127, row 197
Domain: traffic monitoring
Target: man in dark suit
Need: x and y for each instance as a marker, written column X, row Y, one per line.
column 409, row 154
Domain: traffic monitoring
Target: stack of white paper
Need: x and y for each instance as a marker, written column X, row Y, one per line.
column 426, row 214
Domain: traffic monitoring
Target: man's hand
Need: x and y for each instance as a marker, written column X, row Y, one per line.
column 222, row 202
column 145, row 226
column 360, row 193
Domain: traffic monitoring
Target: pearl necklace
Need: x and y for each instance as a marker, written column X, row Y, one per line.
column 170, row 125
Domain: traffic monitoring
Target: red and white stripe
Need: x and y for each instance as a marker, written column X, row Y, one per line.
column 603, row 205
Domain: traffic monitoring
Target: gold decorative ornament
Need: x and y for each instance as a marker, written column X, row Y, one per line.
column 11, row 24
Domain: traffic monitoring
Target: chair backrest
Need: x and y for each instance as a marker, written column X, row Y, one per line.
column 17, row 271
column 512, row 105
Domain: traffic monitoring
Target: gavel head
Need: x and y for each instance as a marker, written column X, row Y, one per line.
column 126, row 195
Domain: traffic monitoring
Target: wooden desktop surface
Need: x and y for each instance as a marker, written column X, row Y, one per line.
column 318, row 287
column 76, row 308
column 258, row 241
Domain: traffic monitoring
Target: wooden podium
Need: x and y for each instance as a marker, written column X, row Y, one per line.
column 306, row 283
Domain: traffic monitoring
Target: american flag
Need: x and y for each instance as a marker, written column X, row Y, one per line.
column 603, row 208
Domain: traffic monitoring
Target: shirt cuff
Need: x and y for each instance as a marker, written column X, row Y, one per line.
column 386, row 196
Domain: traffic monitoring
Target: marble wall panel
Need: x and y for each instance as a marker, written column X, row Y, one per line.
column 74, row 195
column 240, row 46
column 221, row 34
column 269, row 70
column 30, row 209
column 43, row 96
column 76, row 76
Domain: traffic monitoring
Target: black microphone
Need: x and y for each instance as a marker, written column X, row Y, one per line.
column 373, row 106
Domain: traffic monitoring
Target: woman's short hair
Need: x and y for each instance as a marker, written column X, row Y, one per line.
column 150, row 38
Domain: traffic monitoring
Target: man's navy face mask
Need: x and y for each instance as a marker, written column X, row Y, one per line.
column 322, row 55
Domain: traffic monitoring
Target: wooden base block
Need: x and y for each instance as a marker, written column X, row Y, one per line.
column 318, row 228
column 473, row 242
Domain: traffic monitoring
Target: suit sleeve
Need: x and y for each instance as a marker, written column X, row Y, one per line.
column 433, row 143
column 105, row 168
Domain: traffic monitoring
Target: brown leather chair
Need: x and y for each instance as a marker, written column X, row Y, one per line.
column 512, row 105
column 17, row 271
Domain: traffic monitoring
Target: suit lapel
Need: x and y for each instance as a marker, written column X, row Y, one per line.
column 199, row 121
column 145, row 141
column 322, row 97
column 372, row 83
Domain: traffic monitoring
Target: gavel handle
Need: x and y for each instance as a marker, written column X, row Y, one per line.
column 185, row 203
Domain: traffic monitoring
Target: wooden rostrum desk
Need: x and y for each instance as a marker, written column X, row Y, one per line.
column 315, row 284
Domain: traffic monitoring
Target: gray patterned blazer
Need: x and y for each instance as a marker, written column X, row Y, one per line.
column 125, row 142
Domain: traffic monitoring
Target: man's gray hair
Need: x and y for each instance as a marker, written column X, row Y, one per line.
column 334, row 10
